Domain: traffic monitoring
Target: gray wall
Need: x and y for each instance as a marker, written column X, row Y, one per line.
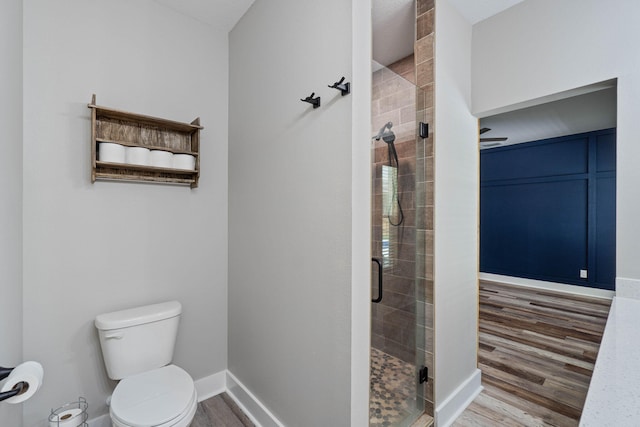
column 456, row 217
column 11, row 196
column 290, row 209
column 93, row 248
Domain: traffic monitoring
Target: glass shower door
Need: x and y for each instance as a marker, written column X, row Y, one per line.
column 397, row 320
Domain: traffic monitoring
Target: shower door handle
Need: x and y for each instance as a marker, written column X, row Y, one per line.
column 377, row 261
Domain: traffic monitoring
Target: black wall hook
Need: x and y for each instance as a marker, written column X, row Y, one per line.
column 311, row 100
column 344, row 88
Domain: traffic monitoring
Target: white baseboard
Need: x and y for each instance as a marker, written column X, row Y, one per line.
column 255, row 410
column 627, row 288
column 457, row 402
column 550, row 286
column 211, row 386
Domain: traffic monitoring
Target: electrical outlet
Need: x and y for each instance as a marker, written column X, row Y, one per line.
column 583, row 274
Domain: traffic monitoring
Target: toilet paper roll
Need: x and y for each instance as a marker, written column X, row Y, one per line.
column 27, row 372
column 111, row 152
column 184, row 161
column 161, row 159
column 69, row 418
column 138, row 156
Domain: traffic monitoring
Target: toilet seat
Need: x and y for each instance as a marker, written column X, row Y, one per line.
column 163, row 397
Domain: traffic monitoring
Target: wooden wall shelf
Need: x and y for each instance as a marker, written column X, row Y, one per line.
column 137, row 130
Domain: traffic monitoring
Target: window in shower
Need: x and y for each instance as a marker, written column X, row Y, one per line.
column 389, row 212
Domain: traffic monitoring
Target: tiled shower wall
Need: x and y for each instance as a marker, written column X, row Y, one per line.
column 394, row 318
column 424, row 58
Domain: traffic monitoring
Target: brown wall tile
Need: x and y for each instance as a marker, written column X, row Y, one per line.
column 405, row 68
column 428, row 169
column 429, row 220
column 428, row 315
column 424, row 49
column 428, row 144
column 428, row 267
column 398, row 100
column 428, row 196
column 406, row 182
column 408, row 113
column 424, row 5
column 389, row 86
column 407, row 167
column 425, row 24
column 428, row 242
column 420, row 199
column 428, row 340
column 406, row 149
column 428, row 362
column 401, row 285
column 428, row 91
column 420, row 177
column 421, row 239
column 424, row 73
column 428, row 290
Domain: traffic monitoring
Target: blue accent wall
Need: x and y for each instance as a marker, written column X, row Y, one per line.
column 547, row 209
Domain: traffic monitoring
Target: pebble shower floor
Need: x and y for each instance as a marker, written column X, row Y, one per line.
column 392, row 390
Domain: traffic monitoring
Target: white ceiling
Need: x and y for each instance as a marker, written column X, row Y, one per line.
column 218, row 13
column 394, row 24
column 582, row 113
column 479, row 10
column 393, row 20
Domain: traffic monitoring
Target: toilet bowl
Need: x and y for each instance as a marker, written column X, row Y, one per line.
column 163, row 397
column 137, row 345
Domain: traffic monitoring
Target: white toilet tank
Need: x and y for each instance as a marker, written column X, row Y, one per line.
column 138, row 339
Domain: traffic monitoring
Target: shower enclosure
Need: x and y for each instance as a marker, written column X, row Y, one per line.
column 400, row 337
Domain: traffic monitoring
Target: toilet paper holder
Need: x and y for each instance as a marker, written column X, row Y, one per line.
column 73, row 414
column 4, row 372
column 17, row 389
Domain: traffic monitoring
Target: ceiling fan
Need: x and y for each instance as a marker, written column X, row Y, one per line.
column 497, row 139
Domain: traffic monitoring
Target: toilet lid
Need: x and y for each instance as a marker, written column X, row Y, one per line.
column 153, row 398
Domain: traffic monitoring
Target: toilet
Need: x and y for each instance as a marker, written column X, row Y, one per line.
column 137, row 345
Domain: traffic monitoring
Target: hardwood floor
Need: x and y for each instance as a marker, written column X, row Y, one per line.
column 220, row 411
column 536, row 352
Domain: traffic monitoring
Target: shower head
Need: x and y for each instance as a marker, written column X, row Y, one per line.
column 387, row 125
column 389, row 137
column 386, row 134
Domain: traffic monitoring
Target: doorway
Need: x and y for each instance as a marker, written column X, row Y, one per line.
column 548, row 191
